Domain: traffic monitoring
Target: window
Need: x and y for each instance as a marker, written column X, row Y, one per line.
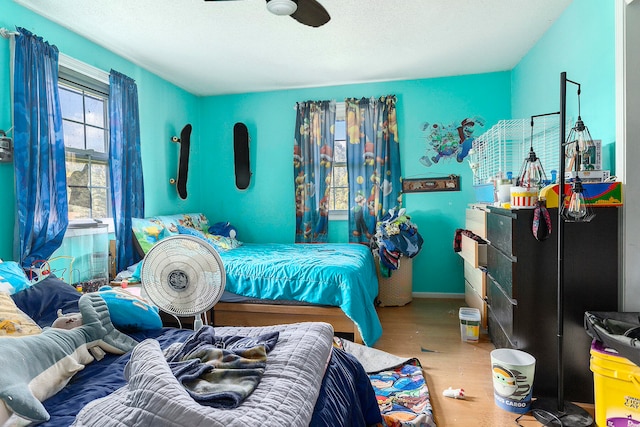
column 84, row 103
column 339, row 192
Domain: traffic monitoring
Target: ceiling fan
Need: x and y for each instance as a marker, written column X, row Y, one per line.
column 307, row 12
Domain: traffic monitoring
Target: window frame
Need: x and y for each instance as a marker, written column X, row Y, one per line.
column 339, row 214
column 92, row 82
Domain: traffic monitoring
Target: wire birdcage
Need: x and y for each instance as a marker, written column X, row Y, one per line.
column 500, row 151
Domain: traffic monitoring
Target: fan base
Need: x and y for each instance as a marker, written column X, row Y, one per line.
column 546, row 411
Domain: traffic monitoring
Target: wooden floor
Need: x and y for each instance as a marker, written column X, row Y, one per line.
column 429, row 329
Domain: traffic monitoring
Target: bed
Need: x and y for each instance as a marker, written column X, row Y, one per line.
column 305, row 380
column 271, row 284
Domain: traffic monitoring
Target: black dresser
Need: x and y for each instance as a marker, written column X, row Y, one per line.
column 522, row 292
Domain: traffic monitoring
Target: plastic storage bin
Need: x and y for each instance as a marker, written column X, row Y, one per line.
column 88, row 246
column 616, row 388
column 469, row 324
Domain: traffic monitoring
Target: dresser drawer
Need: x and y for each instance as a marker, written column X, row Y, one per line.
column 474, row 300
column 473, row 252
column 500, row 268
column 500, row 231
column 476, row 222
column 477, row 279
column 497, row 335
column 502, row 307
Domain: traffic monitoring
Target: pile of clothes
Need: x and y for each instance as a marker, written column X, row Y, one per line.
column 396, row 236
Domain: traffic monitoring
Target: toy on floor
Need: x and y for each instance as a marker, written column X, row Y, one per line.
column 454, row 393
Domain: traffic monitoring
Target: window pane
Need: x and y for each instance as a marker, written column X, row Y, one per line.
column 99, row 175
column 73, row 134
column 339, row 131
column 95, row 139
column 78, row 184
column 340, row 177
column 78, row 212
column 340, row 151
column 99, row 200
column 342, row 199
column 85, row 132
column 94, row 108
column 71, row 103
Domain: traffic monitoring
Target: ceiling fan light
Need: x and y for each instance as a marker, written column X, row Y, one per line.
column 282, row 7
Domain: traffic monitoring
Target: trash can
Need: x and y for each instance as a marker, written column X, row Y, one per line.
column 512, row 372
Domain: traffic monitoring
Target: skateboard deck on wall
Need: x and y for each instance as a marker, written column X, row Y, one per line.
column 183, row 161
column 241, row 155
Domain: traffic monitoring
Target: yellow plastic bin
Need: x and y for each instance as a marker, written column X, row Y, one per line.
column 616, row 388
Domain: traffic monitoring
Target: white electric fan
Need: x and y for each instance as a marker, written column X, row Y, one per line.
column 184, row 276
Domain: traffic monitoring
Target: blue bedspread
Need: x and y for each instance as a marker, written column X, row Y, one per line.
column 341, row 275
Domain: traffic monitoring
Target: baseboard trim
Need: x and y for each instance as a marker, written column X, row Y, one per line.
column 442, row 295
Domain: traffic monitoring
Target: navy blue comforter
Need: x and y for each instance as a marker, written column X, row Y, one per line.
column 346, row 396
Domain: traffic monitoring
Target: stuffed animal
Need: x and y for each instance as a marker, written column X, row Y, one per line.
column 67, row 321
column 38, row 366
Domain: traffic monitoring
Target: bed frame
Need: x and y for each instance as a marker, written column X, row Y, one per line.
column 258, row 314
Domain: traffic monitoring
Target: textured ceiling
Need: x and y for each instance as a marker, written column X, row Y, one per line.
column 211, row 48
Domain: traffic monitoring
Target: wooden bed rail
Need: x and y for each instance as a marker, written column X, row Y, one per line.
column 246, row 314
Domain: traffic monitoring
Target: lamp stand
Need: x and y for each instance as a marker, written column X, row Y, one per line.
column 548, row 411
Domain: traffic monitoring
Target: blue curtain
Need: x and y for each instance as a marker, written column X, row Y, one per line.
column 39, row 159
column 373, row 163
column 125, row 164
column 312, row 162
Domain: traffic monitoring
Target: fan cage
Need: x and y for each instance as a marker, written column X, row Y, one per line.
column 504, row 147
column 183, row 275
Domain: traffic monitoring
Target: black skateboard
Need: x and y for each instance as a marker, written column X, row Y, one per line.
column 183, row 161
column 241, row 155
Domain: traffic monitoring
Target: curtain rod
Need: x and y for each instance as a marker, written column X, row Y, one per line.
column 8, row 33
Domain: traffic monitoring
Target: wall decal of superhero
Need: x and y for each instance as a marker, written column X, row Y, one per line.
column 449, row 141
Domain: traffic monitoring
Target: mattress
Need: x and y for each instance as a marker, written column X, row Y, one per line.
column 339, row 275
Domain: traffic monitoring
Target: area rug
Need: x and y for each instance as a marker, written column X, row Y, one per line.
column 399, row 384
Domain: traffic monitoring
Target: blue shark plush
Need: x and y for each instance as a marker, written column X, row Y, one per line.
column 38, row 366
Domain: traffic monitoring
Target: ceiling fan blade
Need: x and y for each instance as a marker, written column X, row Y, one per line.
column 311, row 13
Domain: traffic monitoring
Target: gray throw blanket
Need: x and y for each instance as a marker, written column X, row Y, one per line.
column 220, row 371
column 286, row 395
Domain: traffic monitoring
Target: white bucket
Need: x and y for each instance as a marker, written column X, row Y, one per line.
column 524, row 197
column 469, row 324
column 512, row 372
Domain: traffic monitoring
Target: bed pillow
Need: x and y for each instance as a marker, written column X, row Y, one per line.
column 42, row 301
column 129, row 312
column 218, row 242
column 148, row 232
column 196, row 221
column 12, row 278
column 223, row 242
column 13, row 322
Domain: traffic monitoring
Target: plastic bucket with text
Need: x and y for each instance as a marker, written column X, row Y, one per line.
column 524, row 197
column 512, row 372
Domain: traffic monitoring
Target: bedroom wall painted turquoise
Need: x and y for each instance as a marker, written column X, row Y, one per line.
column 582, row 43
column 164, row 109
column 265, row 212
column 262, row 212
